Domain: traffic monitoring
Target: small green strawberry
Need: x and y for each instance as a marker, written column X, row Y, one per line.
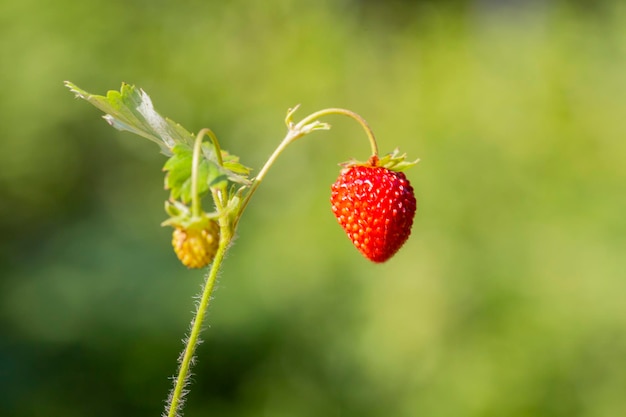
column 375, row 205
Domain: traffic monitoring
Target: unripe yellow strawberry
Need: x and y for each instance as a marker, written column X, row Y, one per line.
column 196, row 248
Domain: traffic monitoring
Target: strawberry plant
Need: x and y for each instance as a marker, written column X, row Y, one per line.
column 373, row 201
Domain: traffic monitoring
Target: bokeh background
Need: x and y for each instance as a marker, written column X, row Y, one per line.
column 509, row 299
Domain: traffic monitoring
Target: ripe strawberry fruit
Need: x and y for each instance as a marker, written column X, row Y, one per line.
column 194, row 247
column 375, row 205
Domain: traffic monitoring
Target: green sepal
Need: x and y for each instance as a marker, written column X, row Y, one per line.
column 180, row 216
column 396, row 162
column 175, row 209
column 131, row 109
column 393, row 161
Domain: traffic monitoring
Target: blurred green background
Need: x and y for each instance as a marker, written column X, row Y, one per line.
column 508, row 299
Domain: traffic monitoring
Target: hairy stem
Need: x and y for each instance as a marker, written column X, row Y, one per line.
column 296, row 131
column 176, row 398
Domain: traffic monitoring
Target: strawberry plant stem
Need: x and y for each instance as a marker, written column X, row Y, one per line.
column 302, row 128
column 131, row 110
column 216, row 144
column 177, row 394
column 325, row 112
column 218, row 194
column 196, row 207
column 227, row 229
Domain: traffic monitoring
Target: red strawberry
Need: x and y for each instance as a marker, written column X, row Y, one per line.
column 375, row 206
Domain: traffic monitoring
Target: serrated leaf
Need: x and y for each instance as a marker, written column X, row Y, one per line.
column 216, row 176
column 178, row 178
column 184, row 188
column 131, row 109
column 178, row 169
column 232, row 169
column 231, row 162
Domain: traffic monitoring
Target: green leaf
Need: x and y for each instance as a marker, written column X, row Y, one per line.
column 178, row 169
column 131, row 109
column 210, row 174
column 178, row 178
column 231, row 162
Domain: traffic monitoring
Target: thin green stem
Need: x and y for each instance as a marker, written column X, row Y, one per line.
column 216, row 145
column 176, row 396
column 333, row 110
column 196, row 208
column 297, row 131
column 218, row 195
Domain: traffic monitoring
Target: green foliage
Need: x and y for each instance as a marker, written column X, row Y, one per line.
column 178, row 178
column 131, row 109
